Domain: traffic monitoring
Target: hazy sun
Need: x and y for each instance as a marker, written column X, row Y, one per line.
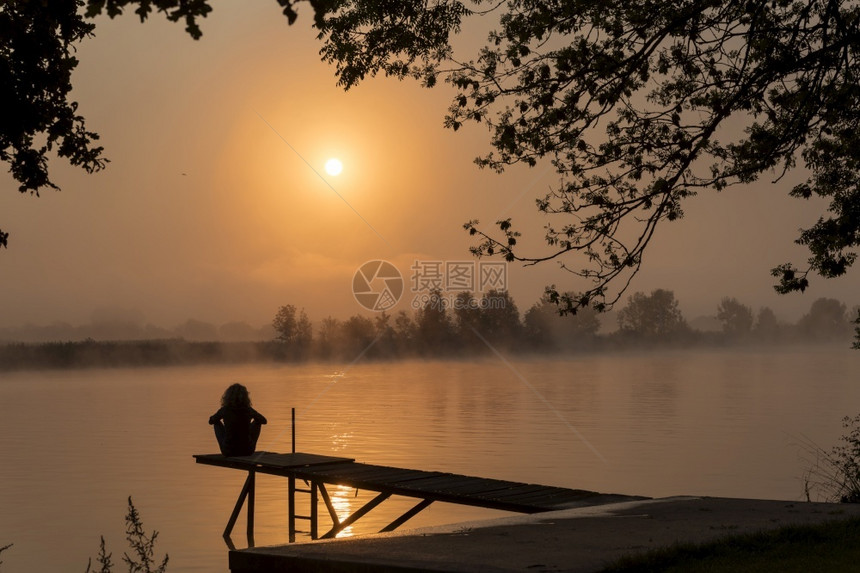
column 333, row 166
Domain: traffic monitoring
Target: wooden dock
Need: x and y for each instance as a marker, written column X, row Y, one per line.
column 315, row 471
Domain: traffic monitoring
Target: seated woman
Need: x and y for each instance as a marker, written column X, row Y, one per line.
column 237, row 424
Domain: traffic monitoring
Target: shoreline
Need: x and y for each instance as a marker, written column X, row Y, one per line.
column 581, row 540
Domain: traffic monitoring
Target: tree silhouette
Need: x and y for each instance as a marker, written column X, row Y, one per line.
column 328, row 338
column 294, row 329
column 434, row 330
column 405, row 331
column 737, row 318
column 467, row 317
column 766, row 328
column 827, row 319
column 652, row 316
column 36, row 62
column 359, row 336
column 38, row 41
column 499, row 319
column 637, row 106
column 546, row 329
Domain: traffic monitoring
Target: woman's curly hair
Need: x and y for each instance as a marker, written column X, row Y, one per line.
column 236, row 396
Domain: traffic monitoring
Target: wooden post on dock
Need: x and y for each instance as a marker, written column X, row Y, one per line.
column 293, row 425
column 245, row 496
column 291, row 515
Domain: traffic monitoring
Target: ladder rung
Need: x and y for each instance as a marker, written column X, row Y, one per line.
column 302, row 517
column 304, row 490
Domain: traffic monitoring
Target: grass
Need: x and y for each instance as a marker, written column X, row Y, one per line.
column 833, row 546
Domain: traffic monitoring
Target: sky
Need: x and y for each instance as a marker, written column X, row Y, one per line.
column 216, row 206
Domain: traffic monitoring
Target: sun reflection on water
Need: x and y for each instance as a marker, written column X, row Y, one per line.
column 342, row 499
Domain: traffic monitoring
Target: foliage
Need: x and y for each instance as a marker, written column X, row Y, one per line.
column 737, row 318
column 36, row 62
column 499, row 318
column 38, row 42
column 766, row 325
column 656, row 315
column 835, row 474
column 103, row 559
column 402, row 38
column 638, row 105
column 142, row 546
column 292, row 329
column 359, row 334
column 856, row 344
column 826, row 320
column 434, row 327
column 445, row 327
column 546, row 329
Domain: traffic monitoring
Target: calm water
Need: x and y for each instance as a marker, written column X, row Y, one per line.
column 76, row 444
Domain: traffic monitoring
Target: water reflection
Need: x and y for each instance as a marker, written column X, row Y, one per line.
column 343, row 499
column 686, row 423
column 341, row 441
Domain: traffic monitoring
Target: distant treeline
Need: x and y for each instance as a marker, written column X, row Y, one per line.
column 129, row 325
column 170, row 352
column 456, row 327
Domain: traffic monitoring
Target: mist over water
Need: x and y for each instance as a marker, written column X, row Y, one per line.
column 77, row 443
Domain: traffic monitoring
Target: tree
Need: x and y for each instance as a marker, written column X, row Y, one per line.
column 766, row 327
column 499, row 319
column 737, row 318
column 38, row 41
column 434, row 329
column 359, row 335
column 546, row 329
column 36, row 61
column 652, row 316
column 404, row 330
column 329, row 337
column 467, row 320
column 856, row 321
column 304, row 335
column 826, row 320
column 285, row 323
column 637, row 105
column 296, row 331
column 386, row 345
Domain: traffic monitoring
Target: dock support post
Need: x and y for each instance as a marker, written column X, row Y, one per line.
column 423, row 504
column 250, row 509
column 246, row 493
column 314, row 512
column 356, row 515
column 291, row 515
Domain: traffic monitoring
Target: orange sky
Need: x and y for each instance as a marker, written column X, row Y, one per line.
column 206, row 212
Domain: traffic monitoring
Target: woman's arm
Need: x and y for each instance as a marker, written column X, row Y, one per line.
column 259, row 417
column 216, row 417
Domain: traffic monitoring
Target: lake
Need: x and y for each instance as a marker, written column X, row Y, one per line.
column 77, row 443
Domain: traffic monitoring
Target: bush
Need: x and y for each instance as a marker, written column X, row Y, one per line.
column 143, row 548
column 836, row 474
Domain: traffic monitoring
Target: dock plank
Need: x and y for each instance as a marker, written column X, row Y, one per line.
column 427, row 485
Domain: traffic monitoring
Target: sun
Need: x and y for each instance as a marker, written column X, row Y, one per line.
column 333, row 166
